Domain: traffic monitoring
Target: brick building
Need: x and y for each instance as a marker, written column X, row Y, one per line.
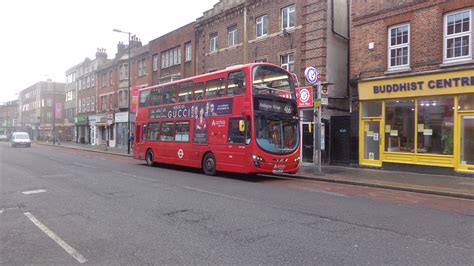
column 86, row 101
column 41, row 106
column 8, row 117
column 70, row 102
column 172, row 55
column 412, row 71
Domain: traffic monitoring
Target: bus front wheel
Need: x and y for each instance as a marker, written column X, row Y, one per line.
column 209, row 164
column 149, row 158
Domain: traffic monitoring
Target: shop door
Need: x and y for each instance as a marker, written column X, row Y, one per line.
column 340, row 140
column 370, row 139
column 307, row 145
column 467, row 143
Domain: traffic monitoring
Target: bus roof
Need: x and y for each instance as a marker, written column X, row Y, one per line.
column 230, row 68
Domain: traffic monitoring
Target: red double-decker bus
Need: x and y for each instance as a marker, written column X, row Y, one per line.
column 242, row 119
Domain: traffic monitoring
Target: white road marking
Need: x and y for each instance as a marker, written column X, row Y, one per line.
column 33, row 191
column 134, row 176
column 216, row 194
column 7, row 209
column 84, row 165
column 70, row 250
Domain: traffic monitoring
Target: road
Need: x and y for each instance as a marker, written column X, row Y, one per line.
column 63, row 206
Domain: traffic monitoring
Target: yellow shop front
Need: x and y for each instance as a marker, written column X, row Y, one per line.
column 425, row 119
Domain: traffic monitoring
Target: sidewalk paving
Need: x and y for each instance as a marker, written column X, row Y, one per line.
column 444, row 185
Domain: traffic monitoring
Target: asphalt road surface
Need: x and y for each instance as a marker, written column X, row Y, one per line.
column 62, row 206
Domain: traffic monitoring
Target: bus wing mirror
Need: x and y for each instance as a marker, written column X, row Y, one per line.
column 241, row 125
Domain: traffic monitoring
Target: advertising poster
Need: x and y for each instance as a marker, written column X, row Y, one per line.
column 134, row 91
column 200, row 112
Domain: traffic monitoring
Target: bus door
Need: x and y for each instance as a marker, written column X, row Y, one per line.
column 237, row 141
column 140, row 137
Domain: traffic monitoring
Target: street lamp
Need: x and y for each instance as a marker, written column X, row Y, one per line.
column 129, row 92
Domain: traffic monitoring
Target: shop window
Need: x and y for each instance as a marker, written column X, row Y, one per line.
column 182, row 131
column 467, row 140
column 466, row 102
column 153, row 131
column 399, row 125
column 372, row 109
column 435, row 127
column 166, row 133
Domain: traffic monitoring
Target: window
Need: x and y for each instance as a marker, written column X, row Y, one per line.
column 88, row 104
column 399, row 46
column 155, row 62
column 435, row 125
column 232, row 36
column 457, row 35
column 182, row 131
column 235, row 135
column 287, row 62
column 186, row 91
column 49, row 116
column 49, row 102
column 171, row 57
column 111, row 101
column 156, row 96
column 103, row 103
column 262, row 26
column 93, row 103
column 93, row 80
column 123, row 99
column 153, row 131
column 188, row 52
column 236, row 83
column 166, row 133
column 215, row 88
column 88, row 81
column 372, row 109
column 288, row 17
column 144, row 98
column 124, row 71
column 198, row 91
column 466, row 102
column 141, row 67
column 170, row 94
column 110, row 78
column 79, row 106
column 399, row 125
column 213, row 42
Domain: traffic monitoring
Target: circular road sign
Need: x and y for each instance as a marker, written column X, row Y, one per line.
column 311, row 75
column 180, row 153
column 304, row 95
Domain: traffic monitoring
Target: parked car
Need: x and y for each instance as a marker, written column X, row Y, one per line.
column 20, row 139
column 3, row 137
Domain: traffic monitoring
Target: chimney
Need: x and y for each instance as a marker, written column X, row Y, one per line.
column 120, row 48
column 135, row 42
column 101, row 54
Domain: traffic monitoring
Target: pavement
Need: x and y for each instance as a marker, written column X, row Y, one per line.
column 442, row 185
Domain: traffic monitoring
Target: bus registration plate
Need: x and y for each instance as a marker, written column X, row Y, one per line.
column 278, row 168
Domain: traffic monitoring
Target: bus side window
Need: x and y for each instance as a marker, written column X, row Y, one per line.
column 236, row 136
column 144, row 98
column 198, row 90
column 156, row 97
column 169, row 94
column 185, row 92
column 153, row 131
column 236, row 83
column 215, row 88
column 144, row 134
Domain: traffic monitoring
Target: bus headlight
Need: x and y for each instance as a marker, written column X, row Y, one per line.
column 257, row 158
column 297, row 159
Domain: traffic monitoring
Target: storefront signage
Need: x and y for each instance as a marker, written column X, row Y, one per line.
column 455, row 82
column 110, row 119
column 304, row 97
column 80, row 120
column 209, row 108
column 121, row 117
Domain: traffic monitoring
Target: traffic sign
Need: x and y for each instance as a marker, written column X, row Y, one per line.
column 311, row 75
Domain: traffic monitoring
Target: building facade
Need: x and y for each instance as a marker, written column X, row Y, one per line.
column 41, row 110
column 86, row 100
column 412, row 64
column 70, row 100
column 9, row 117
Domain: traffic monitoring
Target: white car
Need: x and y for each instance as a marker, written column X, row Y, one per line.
column 20, row 139
column 3, row 137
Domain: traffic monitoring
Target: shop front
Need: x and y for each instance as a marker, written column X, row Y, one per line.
column 425, row 119
column 81, row 123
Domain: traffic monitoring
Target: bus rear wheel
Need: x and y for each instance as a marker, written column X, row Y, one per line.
column 149, row 158
column 209, row 164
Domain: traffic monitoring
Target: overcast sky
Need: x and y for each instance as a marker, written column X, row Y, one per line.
column 41, row 39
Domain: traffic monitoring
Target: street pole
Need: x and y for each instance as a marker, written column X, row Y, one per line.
column 319, row 129
column 129, row 90
column 54, row 114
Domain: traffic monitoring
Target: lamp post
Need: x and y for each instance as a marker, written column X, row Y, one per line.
column 129, row 61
